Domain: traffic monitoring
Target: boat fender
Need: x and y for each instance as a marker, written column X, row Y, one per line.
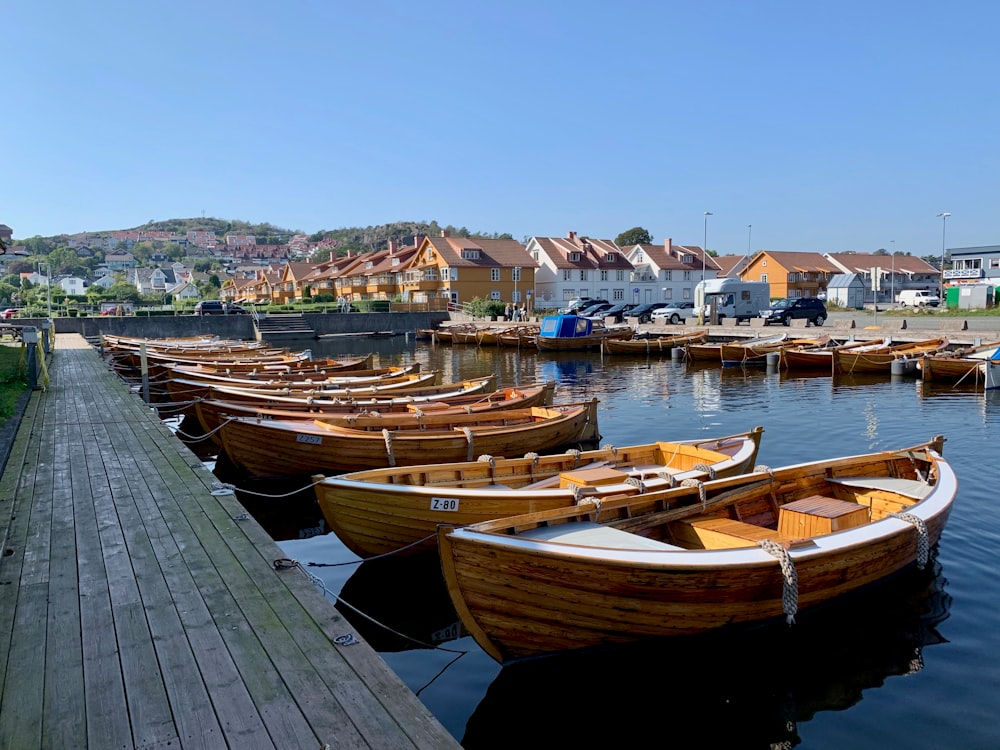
column 790, row 589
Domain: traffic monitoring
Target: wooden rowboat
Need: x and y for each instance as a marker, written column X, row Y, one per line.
column 963, row 366
column 821, row 357
column 755, row 351
column 294, row 379
column 278, row 448
column 653, row 344
column 381, row 511
column 211, row 413
column 850, row 361
column 727, row 553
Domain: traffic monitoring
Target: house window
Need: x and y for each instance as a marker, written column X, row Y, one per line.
column 994, row 262
column 763, row 264
column 494, row 274
column 638, row 257
column 687, row 293
column 668, row 294
column 668, row 275
column 687, row 276
column 763, row 277
column 534, row 255
column 567, row 276
column 610, row 257
column 583, row 275
column 620, row 274
column 515, row 273
column 495, row 294
column 469, row 254
column 618, row 295
column 604, row 275
column 574, row 257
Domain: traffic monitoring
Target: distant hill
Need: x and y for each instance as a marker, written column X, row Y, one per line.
column 361, row 239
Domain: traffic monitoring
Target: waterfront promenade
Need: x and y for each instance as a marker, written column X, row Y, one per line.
column 138, row 609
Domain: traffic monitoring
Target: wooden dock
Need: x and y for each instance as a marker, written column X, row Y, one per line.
column 140, row 610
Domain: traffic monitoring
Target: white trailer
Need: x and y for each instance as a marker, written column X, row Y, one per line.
column 731, row 298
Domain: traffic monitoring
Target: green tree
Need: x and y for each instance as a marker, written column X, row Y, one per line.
column 123, row 292
column 634, row 236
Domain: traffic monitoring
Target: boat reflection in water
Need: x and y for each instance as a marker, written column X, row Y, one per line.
column 752, row 690
column 400, row 603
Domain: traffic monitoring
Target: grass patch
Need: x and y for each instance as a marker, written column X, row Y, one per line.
column 13, row 379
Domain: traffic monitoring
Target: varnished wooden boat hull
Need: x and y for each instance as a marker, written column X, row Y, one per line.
column 521, row 592
column 212, row 412
column 852, row 361
column 581, row 343
column 383, row 511
column 653, row 344
column 271, row 448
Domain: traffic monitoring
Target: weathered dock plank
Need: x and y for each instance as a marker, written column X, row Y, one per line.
column 137, row 609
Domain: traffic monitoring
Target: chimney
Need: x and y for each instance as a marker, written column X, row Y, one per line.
column 571, row 236
column 445, row 233
column 393, row 246
column 333, row 256
column 668, row 245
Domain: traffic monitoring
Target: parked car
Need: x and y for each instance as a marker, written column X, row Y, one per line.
column 674, row 312
column 786, row 310
column 218, row 307
column 595, row 310
column 644, row 312
column 574, row 306
column 11, row 312
column 615, row 312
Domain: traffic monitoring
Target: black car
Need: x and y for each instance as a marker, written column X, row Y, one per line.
column 595, row 310
column 786, row 310
column 644, row 312
column 218, row 307
column 577, row 306
column 616, row 312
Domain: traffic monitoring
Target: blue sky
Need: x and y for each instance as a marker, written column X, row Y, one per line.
column 826, row 127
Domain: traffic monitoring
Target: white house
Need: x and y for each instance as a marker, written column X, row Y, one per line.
column 574, row 266
column 73, row 284
column 668, row 272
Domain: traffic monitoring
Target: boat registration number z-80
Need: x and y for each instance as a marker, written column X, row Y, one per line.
column 311, row 439
column 444, row 503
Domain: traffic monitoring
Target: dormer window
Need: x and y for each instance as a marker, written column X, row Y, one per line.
column 395, row 261
column 687, row 259
column 469, row 254
column 574, row 257
column 610, row 257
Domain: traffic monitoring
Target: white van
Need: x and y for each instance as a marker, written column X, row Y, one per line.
column 917, row 298
column 732, row 298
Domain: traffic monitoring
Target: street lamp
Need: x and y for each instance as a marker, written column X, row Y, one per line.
column 704, row 249
column 704, row 253
column 892, row 275
column 944, row 223
column 749, row 247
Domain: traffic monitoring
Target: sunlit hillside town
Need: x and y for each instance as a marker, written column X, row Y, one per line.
column 442, row 271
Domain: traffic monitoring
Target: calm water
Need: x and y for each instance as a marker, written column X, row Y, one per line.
column 915, row 664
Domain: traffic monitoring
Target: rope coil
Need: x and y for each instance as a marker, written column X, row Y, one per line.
column 387, row 436
column 710, row 470
column 702, row 494
column 923, row 538
column 790, row 588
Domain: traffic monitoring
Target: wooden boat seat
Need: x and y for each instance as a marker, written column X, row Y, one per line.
column 593, row 534
column 817, row 515
column 724, row 533
column 912, row 488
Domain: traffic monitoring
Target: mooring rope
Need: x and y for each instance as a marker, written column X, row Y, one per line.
column 923, row 539
column 710, row 470
column 467, row 431
column 348, row 639
column 790, row 589
column 702, row 495
column 387, row 436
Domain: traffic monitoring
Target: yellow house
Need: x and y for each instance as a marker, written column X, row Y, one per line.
column 460, row 269
column 790, row 274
